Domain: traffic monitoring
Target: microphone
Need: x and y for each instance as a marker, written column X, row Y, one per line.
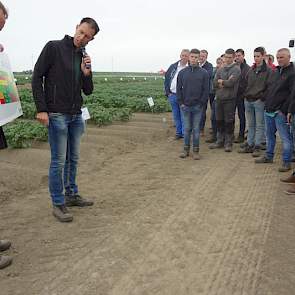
column 84, row 54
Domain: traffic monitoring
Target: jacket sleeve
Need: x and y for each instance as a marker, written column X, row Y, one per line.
column 291, row 108
column 216, row 77
column 87, row 84
column 167, row 81
column 42, row 66
column 234, row 78
column 179, row 89
column 205, row 88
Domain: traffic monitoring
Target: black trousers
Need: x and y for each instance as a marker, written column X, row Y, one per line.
column 3, row 143
column 225, row 118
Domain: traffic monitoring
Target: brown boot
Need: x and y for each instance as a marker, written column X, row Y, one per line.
column 185, row 152
column 196, row 155
column 290, row 190
column 290, row 179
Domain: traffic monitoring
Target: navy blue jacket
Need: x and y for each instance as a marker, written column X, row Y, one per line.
column 169, row 77
column 209, row 68
column 192, row 86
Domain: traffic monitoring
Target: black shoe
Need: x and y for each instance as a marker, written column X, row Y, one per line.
column 247, row 149
column 62, row 213
column 5, row 261
column 4, row 245
column 77, row 200
column 263, row 159
column 177, row 137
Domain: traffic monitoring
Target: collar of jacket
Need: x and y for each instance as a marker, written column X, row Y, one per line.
column 263, row 67
column 290, row 65
column 193, row 68
column 69, row 41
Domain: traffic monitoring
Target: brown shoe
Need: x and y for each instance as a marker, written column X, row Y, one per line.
column 290, row 179
column 185, row 152
column 290, row 190
column 196, row 155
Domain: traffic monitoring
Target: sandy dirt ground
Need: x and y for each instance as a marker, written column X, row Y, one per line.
column 160, row 224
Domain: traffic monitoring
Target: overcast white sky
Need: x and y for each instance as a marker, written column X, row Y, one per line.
column 147, row 35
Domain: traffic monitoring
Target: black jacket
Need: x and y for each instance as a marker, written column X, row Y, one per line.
column 192, row 86
column 58, row 80
column 280, row 91
column 243, row 79
column 258, row 81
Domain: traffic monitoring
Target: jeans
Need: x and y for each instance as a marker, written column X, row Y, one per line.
column 192, row 117
column 255, row 118
column 274, row 124
column 241, row 114
column 293, row 132
column 64, row 132
column 177, row 114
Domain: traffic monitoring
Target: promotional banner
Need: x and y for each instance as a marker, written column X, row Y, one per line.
column 10, row 106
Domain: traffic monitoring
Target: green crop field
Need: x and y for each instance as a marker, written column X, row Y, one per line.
column 115, row 97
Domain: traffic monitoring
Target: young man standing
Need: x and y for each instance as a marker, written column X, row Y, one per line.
column 192, row 94
column 203, row 63
column 226, row 82
column 62, row 71
column 258, row 79
column 4, row 244
column 276, row 109
column 170, row 85
column 240, row 106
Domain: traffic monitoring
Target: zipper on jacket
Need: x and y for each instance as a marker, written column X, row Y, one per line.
column 54, row 94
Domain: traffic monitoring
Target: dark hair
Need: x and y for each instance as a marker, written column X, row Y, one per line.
column 204, row 51
column 230, row 51
column 260, row 50
column 93, row 24
column 241, row 51
column 195, row 51
column 3, row 8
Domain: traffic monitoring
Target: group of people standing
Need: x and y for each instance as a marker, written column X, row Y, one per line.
column 262, row 94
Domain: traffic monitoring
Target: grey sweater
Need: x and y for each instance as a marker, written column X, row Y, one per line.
column 230, row 76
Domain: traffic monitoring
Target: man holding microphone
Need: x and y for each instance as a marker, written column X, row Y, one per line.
column 62, row 72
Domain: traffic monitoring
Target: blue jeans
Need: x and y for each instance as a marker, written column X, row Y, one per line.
column 177, row 114
column 293, row 132
column 274, row 124
column 255, row 118
column 192, row 117
column 64, row 132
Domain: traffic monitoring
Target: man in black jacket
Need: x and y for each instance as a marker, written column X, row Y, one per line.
column 62, row 71
column 240, row 106
column 277, row 102
column 192, row 94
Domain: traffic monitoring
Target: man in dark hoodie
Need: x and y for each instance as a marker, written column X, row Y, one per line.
column 258, row 80
column 276, row 109
column 225, row 83
column 62, row 72
column 192, row 94
column 240, row 106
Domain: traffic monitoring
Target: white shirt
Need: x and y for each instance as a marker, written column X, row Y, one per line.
column 174, row 80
